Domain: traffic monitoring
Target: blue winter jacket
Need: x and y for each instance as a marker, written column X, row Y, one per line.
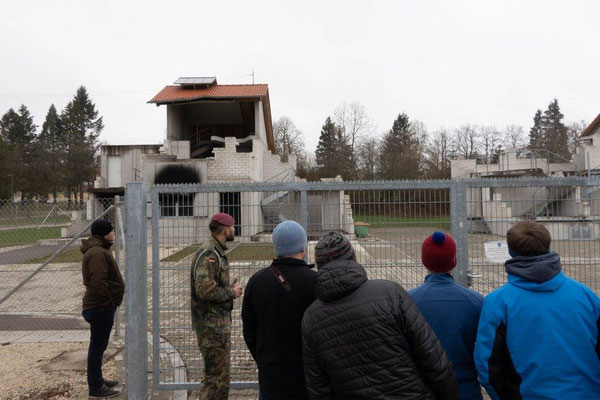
column 538, row 334
column 453, row 313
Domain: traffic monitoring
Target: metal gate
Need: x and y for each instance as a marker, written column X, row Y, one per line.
column 394, row 217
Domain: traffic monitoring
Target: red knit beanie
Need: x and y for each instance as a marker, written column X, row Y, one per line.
column 438, row 252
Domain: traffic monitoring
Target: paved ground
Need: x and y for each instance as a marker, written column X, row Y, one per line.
column 20, row 256
column 75, row 362
column 20, row 322
column 51, row 300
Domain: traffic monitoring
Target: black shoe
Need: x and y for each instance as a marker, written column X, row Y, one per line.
column 111, row 383
column 103, row 392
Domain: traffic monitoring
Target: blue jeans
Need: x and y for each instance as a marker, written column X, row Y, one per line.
column 101, row 321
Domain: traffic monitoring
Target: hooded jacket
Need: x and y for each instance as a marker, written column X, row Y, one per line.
column 104, row 286
column 367, row 340
column 453, row 311
column 538, row 334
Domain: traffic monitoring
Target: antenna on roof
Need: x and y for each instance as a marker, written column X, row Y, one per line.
column 253, row 77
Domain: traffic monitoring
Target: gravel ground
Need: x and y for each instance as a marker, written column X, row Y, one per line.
column 45, row 371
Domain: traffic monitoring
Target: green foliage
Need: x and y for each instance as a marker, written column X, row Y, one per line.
column 82, row 126
column 401, row 151
column 333, row 153
column 17, row 132
column 51, row 154
column 555, row 132
column 550, row 133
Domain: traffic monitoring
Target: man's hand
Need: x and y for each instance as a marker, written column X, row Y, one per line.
column 237, row 289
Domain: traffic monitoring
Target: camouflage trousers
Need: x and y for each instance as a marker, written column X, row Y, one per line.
column 215, row 346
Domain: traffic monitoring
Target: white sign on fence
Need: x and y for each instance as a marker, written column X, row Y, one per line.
column 496, row 252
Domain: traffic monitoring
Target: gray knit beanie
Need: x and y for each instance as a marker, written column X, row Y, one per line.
column 289, row 238
column 333, row 246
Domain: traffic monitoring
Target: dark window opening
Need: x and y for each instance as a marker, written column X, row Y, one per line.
column 176, row 205
column 230, row 203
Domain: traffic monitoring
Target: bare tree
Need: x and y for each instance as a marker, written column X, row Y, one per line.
column 467, row 141
column 288, row 138
column 355, row 125
column 574, row 131
column 307, row 167
column 438, row 152
column 368, row 157
column 513, row 136
column 490, row 141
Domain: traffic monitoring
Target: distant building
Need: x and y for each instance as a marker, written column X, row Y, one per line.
column 217, row 134
column 568, row 212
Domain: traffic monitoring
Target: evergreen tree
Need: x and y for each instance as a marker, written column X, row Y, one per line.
column 5, row 179
column 333, row 154
column 82, row 126
column 536, row 135
column 51, row 152
column 18, row 135
column 555, row 133
column 401, row 151
column 550, row 133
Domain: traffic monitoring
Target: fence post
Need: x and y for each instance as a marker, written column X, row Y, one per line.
column 136, row 339
column 118, row 238
column 304, row 215
column 459, row 229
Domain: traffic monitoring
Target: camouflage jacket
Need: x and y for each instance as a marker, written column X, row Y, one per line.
column 212, row 295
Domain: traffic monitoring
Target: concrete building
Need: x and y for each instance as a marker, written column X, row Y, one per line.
column 568, row 212
column 216, row 134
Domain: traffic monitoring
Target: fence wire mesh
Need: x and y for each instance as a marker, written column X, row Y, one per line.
column 40, row 273
column 570, row 213
column 386, row 223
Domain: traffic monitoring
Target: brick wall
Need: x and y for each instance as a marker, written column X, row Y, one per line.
column 229, row 166
column 275, row 169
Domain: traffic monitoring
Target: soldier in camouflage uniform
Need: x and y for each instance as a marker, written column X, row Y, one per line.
column 212, row 302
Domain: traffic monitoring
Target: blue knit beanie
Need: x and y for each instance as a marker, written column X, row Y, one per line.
column 289, row 238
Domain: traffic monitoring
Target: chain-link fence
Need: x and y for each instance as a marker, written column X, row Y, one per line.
column 40, row 262
column 386, row 223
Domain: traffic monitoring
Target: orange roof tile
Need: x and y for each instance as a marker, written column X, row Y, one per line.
column 177, row 93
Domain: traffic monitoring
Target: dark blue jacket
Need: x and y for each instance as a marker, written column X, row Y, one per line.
column 538, row 334
column 453, row 313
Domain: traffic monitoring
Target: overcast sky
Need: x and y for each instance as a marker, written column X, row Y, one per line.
column 444, row 63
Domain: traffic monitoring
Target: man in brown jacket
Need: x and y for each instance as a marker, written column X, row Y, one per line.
column 104, row 289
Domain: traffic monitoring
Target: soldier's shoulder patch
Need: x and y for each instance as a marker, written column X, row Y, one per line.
column 209, row 255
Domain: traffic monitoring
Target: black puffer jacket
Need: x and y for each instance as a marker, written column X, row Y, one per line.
column 367, row 340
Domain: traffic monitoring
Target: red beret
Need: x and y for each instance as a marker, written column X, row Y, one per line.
column 223, row 219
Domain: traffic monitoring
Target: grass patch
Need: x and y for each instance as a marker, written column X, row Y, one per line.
column 181, row 254
column 17, row 237
column 33, row 220
column 242, row 252
column 67, row 256
column 386, row 221
column 251, row 251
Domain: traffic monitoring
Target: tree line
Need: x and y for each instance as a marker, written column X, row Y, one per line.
column 61, row 158
column 350, row 144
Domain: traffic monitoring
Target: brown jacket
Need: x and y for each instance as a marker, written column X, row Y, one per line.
column 104, row 286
